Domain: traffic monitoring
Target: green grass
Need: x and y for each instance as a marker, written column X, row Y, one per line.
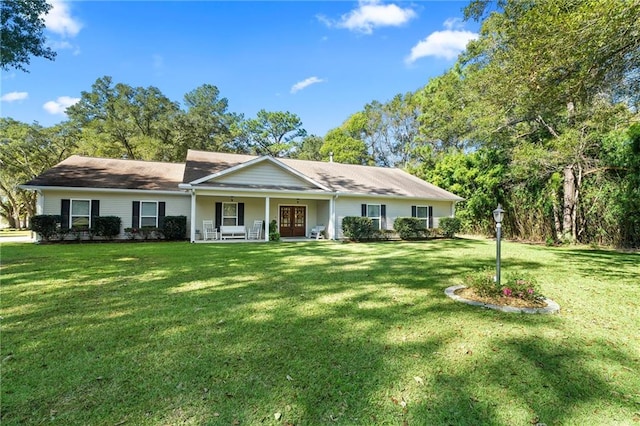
column 312, row 333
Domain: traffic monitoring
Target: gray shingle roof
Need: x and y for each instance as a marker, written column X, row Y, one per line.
column 90, row 172
column 346, row 178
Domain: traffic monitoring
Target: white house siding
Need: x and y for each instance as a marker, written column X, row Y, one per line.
column 264, row 173
column 118, row 203
column 351, row 206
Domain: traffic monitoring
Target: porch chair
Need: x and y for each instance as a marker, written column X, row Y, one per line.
column 317, row 232
column 255, row 231
column 208, row 230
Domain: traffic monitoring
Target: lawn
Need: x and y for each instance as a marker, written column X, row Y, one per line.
column 312, row 333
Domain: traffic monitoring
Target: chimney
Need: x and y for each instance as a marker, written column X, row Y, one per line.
column 331, row 157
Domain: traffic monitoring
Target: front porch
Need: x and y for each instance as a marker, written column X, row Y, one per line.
column 294, row 215
column 261, row 241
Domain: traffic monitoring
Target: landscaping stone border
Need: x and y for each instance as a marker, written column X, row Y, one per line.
column 551, row 308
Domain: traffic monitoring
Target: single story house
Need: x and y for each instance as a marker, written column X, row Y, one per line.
column 236, row 190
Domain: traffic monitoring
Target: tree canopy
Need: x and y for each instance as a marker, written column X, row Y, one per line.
column 21, row 32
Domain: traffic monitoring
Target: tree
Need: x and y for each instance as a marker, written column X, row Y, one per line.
column 541, row 84
column 206, row 124
column 310, row 148
column 274, row 133
column 344, row 148
column 21, row 32
column 122, row 121
column 25, row 152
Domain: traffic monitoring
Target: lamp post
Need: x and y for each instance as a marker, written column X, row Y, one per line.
column 498, row 215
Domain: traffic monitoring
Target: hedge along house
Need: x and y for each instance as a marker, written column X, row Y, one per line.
column 236, row 190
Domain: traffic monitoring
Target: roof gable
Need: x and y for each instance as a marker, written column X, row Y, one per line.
column 263, row 171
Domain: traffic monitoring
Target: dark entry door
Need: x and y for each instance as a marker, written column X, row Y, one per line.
column 293, row 221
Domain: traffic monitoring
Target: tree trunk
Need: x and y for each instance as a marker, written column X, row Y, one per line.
column 569, row 186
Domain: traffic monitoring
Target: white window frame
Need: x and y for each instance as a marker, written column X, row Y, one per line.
column 374, row 218
column 142, row 202
column 426, row 217
column 229, row 217
column 71, row 215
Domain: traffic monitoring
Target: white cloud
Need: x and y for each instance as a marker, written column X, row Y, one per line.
column 306, row 83
column 453, row 24
column 447, row 44
column 371, row 14
column 60, row 21
column 60, row 105
column 14, row 96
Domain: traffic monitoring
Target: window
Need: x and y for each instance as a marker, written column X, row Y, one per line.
column 80, row 213
column 229, row 214
column 422, row 212
column 148, row 213
column 373, row 212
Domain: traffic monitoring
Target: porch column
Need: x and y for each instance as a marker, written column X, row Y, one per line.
column 193, row 215
column 266, row 219
column 332, row 219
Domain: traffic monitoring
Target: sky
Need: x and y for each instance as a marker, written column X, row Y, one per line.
column 321, row 60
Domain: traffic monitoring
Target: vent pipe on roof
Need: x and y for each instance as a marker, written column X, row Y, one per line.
column 331, row 157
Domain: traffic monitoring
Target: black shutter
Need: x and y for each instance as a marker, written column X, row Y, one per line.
column 64, row 213
column 95, row 212
column 430, row 217
column 135, row 215
column 240, row 214
column 364, row 210
column 414, row 211
column 383, row 216
column 162, row 207
column 218, row 222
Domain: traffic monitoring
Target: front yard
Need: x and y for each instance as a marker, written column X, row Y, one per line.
column 312, row 333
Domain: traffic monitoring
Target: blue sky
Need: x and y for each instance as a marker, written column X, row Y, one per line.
column 320, row 60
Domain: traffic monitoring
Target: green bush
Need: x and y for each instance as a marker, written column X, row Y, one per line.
column 46, row 225
column 483, row 282
column 514, row 285
column 450, row 226
column 174, row 227
column 358, row 228
column 106, row 226
column 274, row 235
column 410, row 228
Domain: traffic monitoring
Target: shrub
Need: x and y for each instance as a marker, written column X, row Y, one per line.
column 450, row 226
column 410, row 228
column 174, row 227
column 522, row 286
column 131, row 233
column 514, row 285
column 483, row 283
column 357, row 228
column 274, row 235
column 106, row 226
column 46, row 225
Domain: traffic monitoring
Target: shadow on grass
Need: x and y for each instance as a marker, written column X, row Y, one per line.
column 319, row 333
column 603, row 263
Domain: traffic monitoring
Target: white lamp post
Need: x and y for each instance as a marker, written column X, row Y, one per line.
column 498, row 215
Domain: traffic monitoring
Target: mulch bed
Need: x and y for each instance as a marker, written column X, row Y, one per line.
column 470, row 293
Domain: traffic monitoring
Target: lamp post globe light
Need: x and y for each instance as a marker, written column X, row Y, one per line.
column 498, row 215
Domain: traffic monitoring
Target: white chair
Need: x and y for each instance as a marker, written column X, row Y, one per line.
column 317, row 232
column 255, row 231
column 209, row 231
